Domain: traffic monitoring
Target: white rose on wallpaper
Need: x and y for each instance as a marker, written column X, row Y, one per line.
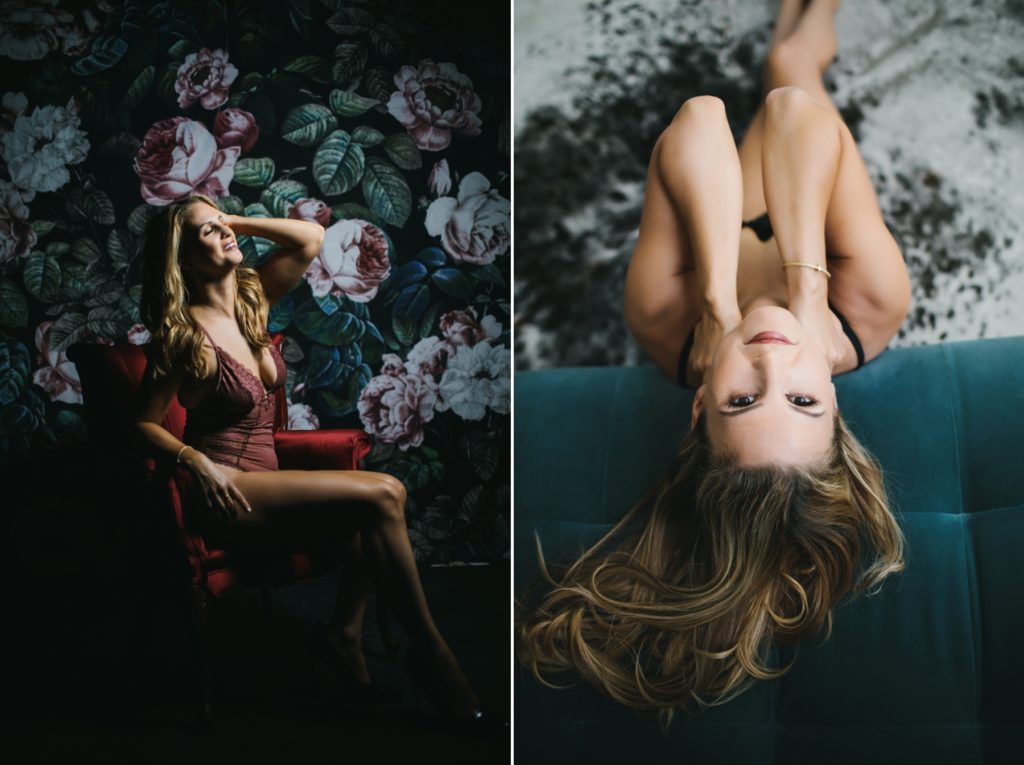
column 478, row 377
column 42, row 145
column 301, row 417
column 476, row 226
column 138, row 334
column 432, row 100
column 353, row 261
column 461, row 327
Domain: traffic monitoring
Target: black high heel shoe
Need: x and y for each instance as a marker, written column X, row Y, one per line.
column 425, row 674
column 322, row 648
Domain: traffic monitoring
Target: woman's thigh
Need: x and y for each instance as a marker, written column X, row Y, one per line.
column 305, row 508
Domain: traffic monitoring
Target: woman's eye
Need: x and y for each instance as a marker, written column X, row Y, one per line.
column 803, row 400
column 740, row 402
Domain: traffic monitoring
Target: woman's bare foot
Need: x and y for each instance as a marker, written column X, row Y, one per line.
column 349, row 648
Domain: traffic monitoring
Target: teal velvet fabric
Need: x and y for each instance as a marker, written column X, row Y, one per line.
column 928, row 671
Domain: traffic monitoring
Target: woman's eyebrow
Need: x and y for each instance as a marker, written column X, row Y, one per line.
column 211, row 220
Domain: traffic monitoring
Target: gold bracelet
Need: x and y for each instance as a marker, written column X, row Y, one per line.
column 178, row 458
column 815, row 266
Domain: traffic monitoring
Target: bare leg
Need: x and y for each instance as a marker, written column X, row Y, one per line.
column 354, row 589
column 305, row 506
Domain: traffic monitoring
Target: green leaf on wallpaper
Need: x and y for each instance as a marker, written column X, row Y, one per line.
column 428, row 320
column 106, row 321
column 70, row 425
column 453, row 282
column 300, row 16
column 85, row 250
column 367, row 136
column 73, row 285
column 481, row 452
column 120, row 248
column 180, row 50
column 281, row 314
column 338, row 164
column 13, row 305
column 67, row 330
column 232, row 203
column 356, row 211
column 372, row 344
column 349, row 104
column 488, row 273
column 254, row 172
column 139, row 217
column 349, row 62
column 379, row 83
column 42, row 276
column 105, row 293
column 407, row 312
column 42, row 227
column 403, row 151
column 349, row 22
column 138, row 89
column 15, row 362
column 329, row 303
column 390, row 340
column 256, row 210
column 98, row 207
column 279, row 197
column 316, row 68
column 340, row 328
column 107, row 50
column 307, row 125
column 386, row 191
column 386, row 40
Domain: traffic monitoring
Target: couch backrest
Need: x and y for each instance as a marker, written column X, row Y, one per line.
column 927, row 671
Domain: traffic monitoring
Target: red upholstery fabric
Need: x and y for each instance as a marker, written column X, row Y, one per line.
column 111, row 376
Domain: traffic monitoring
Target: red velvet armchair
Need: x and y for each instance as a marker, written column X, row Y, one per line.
column 110, row 377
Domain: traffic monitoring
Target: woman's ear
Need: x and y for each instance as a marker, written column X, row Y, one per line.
column 698, row 406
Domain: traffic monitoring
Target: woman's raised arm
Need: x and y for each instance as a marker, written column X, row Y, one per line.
column 300, row 242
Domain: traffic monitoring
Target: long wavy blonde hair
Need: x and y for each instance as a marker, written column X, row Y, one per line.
column 727, row 559
column 177, row 337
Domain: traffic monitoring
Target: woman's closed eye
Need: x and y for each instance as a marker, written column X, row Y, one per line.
column 742, row 401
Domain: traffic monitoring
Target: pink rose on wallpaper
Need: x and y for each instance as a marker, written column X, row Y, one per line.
column 308, row 208
column 432, row 100
column 353, row 261
column 179, row 156
column 476, row 226
column 394, row 408
column 17, row 237
column 301, row 417
column 440, row 180
column 235, row 127
column 204, row 77
column 138, row 334
column 462, row 328
column 56, row 375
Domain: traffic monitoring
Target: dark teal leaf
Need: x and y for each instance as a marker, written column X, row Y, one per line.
column 453, row 282
column 307, row 125
column 340, row 328
column 338, row 164
column 42, row 276
column 432, row 257
column 281, row 314
column 386, row 191
column 13, row 306
column 403, row 151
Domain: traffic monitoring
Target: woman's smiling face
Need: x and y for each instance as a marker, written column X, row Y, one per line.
column 769, row 396
column 209, row 244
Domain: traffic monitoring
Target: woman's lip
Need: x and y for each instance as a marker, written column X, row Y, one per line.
column 230, row 245
column 769, row 337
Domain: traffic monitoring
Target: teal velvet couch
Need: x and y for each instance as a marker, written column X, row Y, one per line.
column 931, row 670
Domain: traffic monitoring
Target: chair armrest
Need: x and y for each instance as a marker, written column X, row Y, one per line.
column 321, row 449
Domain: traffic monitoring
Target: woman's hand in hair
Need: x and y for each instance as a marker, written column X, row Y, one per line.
column 707, row 334
column 218, row 490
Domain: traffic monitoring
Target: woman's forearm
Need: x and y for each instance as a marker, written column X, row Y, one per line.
column 287, row 232
column 161, row 441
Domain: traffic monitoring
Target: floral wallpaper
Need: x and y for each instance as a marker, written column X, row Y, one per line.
column 386, row 122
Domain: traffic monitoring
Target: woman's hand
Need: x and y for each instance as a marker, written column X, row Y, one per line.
column 823, row 326
column 707, row 334
column 219, row 491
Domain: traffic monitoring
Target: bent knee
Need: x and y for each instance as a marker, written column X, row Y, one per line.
column 390, row 497
column 698, row 108
column 786, row 98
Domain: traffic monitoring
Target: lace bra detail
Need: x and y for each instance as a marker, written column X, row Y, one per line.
column 237, row 386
